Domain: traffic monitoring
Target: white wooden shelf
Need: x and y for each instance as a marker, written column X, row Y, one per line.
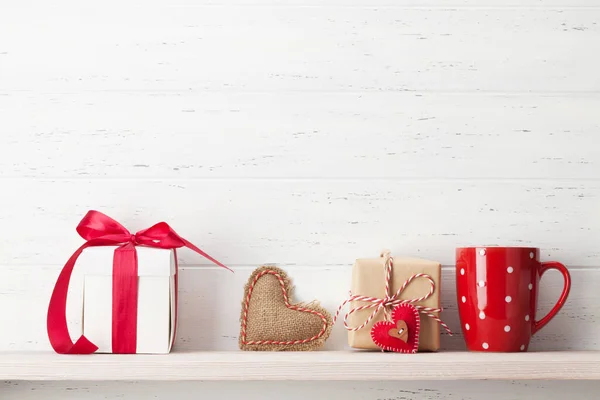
column 223, row 366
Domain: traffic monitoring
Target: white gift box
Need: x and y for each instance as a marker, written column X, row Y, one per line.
column 157, row 308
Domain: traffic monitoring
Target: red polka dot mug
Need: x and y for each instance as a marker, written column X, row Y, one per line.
column 497, row 291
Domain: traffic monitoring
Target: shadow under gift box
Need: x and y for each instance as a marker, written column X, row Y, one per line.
column 156, row 302
column 368, row 279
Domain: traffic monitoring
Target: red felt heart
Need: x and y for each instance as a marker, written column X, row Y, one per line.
column 392, row 336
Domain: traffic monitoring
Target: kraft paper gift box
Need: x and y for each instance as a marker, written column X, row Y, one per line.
column 368, row 279
column 156, row 302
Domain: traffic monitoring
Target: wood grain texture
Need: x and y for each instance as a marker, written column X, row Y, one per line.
column 535, row 4
column 299, row 135
column 419, row 390
column 306, row 49
column 310, row 222
column 303, row 366
column 210, row 301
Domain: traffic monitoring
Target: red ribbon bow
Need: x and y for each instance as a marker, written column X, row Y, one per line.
column 100, row 230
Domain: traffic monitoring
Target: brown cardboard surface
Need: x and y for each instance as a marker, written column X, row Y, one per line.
column 368, row 279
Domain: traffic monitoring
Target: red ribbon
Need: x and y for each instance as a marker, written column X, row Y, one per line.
column 100, row 230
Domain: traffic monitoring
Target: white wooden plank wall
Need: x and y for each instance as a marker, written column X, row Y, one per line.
column 302, row 133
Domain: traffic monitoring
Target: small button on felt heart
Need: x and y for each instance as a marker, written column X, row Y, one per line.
column 401, row 335
column 400, row 331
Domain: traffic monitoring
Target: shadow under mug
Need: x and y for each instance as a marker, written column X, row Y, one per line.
column 497, row 291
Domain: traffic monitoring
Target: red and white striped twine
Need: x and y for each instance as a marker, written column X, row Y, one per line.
column 390, row 301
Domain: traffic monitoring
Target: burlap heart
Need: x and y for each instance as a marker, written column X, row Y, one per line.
column 271, row 323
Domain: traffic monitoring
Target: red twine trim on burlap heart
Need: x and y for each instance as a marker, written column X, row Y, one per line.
column 287, row 304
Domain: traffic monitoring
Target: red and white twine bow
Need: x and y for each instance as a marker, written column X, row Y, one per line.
column 390, row 300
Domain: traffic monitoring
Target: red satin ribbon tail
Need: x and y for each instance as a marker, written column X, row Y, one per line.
column 58, row 330
column 83, row 346
column 191, row 246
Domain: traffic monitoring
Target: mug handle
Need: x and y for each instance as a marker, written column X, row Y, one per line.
column 537, row 325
